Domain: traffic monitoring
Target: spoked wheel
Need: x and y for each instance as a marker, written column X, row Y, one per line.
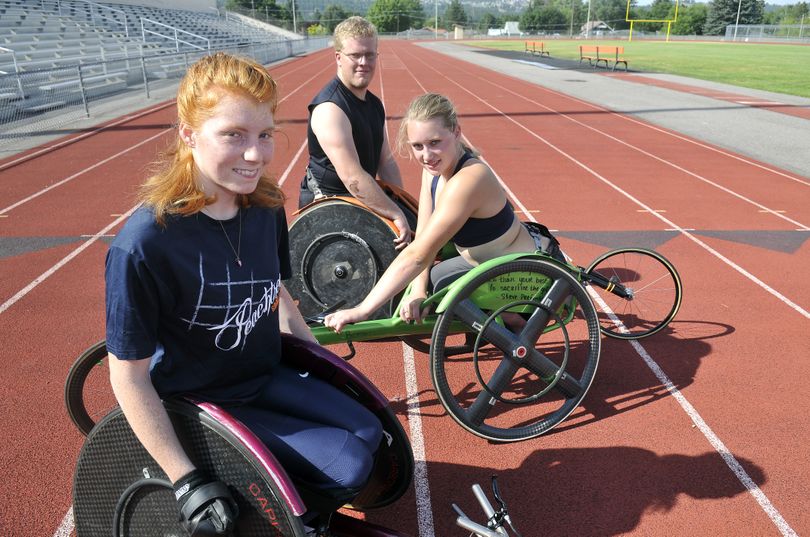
column 88, row 396
column 535, row 353
column 639, row 292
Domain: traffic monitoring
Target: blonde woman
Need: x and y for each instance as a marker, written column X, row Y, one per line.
column 460, row 200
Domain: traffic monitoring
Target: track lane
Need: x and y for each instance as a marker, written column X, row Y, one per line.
column 630, row 442
column 66, row 293
column 499, row 134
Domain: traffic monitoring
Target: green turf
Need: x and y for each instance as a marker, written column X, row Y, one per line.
column 770, row 67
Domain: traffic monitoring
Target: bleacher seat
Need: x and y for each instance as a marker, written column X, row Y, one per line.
column 51, row 40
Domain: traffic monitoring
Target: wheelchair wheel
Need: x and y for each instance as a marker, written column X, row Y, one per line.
column 536, row 350
column 639, row 292
column 115, row 474
column 88, row 396
column 338, row 251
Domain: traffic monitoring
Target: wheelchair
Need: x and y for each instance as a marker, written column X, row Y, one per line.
column 514, row 344
column 118, row 488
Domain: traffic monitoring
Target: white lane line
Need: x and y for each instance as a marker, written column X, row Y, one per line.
column 682, row 137
column 119, row 121
column 424, row 506
column 781, row 524
column 762, row 208
column 108, row 159
column 292, row 163
column 761, row 103
column 424, row 510
column 66, row 527
column 48, row 273
column 624, row 193
column 77, row 174
column 63, row 143
column 730, row 460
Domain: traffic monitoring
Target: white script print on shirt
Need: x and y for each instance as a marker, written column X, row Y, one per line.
column 232, row 308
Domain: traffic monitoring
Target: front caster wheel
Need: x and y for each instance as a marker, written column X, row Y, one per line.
column 639, row 292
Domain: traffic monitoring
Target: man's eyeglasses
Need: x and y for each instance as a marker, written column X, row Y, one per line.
column 357, row 56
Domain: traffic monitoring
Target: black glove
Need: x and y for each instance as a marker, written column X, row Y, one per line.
column 207, row 508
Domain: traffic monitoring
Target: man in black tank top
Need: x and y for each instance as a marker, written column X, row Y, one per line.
column 348, row 146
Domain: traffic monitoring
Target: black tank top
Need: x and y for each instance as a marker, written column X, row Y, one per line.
column 367, row 118
column 478, row 231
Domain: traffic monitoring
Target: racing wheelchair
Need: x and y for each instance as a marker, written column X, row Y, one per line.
column 514, row 344
column 118, row 488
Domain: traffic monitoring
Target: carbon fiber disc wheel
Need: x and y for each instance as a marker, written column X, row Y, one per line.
column 112, row 459
column 338, row 251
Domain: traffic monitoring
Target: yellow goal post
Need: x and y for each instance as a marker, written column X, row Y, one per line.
column 668, row 21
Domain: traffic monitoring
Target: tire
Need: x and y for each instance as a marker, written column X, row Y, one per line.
column 532, row 377
column 88, row 395
column 639, row 292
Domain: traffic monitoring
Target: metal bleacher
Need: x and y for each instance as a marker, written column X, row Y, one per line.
column 61, row 55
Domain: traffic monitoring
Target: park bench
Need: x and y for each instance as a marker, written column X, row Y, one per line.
column 600, row 53
column 536, row 47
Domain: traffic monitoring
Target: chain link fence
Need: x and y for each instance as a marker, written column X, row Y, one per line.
column 40, row 101
column 796, row 33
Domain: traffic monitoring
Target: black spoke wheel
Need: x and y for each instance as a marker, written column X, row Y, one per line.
column 88, row 395
column 639, row 292
column 524, row 353
column 550, row 380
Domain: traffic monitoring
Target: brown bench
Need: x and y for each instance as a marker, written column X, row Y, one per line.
column 600, row 53
column 536, row 47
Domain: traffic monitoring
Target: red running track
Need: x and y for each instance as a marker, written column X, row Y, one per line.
column 700, row 430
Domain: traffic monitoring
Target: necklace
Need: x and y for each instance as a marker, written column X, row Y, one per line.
column 238, row 241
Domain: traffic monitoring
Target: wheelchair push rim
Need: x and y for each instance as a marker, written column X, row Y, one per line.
column 88, row 396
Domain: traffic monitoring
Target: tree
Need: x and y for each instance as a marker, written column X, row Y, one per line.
column 793, row 14
column 488, row 20
column 612, row 12
column 724, row 12
column 691, row 19
column 396, row 15
column 316, row 30
column 659, row 10
column 332, row 16
column 541, row 17
column 454, row 15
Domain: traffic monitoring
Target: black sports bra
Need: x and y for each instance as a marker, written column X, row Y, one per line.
column 478, row 231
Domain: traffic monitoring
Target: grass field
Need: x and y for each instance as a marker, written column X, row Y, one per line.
column 778, row 68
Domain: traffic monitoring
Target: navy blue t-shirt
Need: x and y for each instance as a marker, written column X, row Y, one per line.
column 175, row 294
